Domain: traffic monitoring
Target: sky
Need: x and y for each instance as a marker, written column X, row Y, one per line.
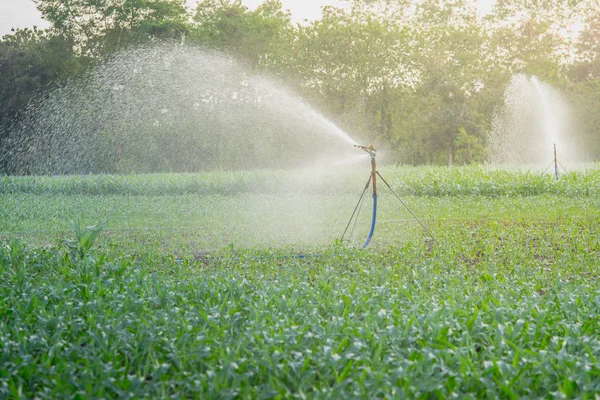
column 23, row 14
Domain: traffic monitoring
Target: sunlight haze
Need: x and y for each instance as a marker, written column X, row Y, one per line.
column 23, row 14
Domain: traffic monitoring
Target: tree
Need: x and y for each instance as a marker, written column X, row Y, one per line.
column 452, row 70
column 100, row 26
column 256, row 36
column 356, row 66
column 585, row 75
column 422, row 79
column 587, row 63
column 530, row 37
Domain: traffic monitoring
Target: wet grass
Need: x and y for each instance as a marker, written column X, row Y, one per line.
column 506, row 302
column 433, row 181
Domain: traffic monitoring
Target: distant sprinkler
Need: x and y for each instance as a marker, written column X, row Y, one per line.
column 556, row 164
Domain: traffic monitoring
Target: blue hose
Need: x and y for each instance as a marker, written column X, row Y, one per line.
column 373, row 221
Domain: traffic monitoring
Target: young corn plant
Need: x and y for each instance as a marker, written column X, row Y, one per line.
column 83, row 244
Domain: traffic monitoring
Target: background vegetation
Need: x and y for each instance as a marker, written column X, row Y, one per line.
column 420, row 78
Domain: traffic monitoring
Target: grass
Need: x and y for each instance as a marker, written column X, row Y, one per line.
column 422, row 181
column 187, row 214
column 506, row 302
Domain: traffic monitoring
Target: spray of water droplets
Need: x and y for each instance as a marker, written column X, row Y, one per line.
column 178, row 108
column 535, row 116
column 169, row 107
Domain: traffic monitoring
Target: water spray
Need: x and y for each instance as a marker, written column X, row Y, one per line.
column 372, row 181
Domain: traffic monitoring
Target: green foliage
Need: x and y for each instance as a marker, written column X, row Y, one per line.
column 100, row 27
column 469, row 148
column 84, row 238
column 412, row 78
column 504, row 304
column 474, row 180
column 254, row 35
column 193, row 213
column 490, row 304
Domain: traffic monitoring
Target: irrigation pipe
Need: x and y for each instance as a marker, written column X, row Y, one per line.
column 373, row 222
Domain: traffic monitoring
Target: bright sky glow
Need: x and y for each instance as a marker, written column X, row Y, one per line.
column 19, row 14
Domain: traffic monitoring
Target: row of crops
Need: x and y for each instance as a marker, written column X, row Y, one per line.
column 509, row 317
column 418, row 181
column 194, row 287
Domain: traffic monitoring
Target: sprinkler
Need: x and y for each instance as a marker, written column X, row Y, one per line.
column 372, row 153
column 556, row 164
column 373, row 181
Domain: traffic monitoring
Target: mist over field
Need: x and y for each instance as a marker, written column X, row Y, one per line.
column 399, row 199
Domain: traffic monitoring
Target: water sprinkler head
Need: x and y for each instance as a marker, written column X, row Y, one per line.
column 369, row 149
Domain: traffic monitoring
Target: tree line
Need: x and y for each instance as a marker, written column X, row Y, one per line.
column 422, row 79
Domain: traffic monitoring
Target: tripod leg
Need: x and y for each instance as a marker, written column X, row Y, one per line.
column 356, row 208
column 362, row 202
column 564, row 169
column 408, row 208
column 548, row 167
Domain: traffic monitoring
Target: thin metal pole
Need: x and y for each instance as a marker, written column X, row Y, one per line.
column 555, row 163
column 362, row 202
column 408, row 208
column 564, row 169
column 357, row 204
column 548, row 167
column 374, row 172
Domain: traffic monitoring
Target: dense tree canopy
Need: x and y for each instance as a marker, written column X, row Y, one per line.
column 100, row 26
column 423, row 79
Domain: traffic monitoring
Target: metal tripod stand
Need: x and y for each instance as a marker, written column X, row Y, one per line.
column 556, row 164
column 372, row 181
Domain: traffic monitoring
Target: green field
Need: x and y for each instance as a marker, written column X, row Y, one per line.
column 194, row 287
